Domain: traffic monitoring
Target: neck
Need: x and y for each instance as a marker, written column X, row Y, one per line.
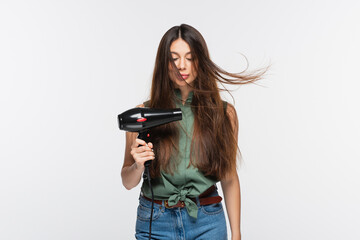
column 184, row 93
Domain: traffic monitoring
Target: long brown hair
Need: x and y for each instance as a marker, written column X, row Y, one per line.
column 214, row 148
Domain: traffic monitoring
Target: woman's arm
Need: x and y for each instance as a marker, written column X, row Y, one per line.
column 231, row 190
column 231, row 186
column 137, row 152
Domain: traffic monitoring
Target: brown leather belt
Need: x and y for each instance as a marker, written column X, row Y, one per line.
column 203, row 199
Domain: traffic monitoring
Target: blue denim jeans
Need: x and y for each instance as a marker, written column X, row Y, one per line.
column 176, row 224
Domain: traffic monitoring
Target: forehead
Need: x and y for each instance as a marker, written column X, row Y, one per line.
column 180, row 46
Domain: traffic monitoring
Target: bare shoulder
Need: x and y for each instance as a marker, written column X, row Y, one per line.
column 231, row 111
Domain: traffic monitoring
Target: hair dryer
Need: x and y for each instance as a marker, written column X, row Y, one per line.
column 142, row 119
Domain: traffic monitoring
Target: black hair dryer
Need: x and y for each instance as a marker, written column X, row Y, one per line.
column 142, row 119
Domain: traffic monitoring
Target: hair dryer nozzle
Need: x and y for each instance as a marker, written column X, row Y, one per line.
column 138, row 119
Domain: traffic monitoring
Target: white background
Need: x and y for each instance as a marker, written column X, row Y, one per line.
column 68, row 68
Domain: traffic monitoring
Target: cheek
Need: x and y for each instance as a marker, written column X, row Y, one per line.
column 172, row 75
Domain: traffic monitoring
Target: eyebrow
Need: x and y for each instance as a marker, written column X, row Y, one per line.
column 179, row 54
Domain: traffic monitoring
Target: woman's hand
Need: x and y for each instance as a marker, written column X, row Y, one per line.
column 142, row 152
column 137, row 152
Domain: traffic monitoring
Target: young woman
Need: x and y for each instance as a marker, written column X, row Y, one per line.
column 189, row 156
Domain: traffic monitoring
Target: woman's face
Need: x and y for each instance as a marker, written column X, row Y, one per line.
column 181, row 54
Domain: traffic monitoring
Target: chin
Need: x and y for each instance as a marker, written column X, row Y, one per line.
column 181, row 84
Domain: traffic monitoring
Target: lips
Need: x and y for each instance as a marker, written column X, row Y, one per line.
column 184, row 76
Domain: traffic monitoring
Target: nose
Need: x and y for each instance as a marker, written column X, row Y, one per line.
column 182, row 64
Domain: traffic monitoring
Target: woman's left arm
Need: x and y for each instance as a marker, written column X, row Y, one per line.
column 231, row 190
column 231, row 186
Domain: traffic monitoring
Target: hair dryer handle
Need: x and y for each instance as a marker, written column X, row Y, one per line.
column 145, row 135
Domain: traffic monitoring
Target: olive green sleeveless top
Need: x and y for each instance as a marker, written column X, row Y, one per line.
column 186, row 182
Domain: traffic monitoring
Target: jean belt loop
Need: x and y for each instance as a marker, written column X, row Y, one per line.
column 198, row 201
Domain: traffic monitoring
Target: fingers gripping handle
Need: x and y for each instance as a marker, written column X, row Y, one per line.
column 145, row 135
